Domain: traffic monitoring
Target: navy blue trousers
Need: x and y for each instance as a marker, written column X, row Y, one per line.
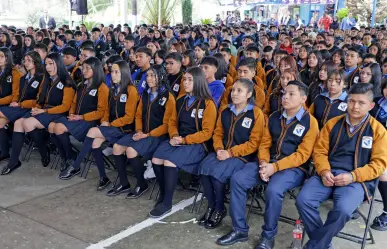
column 279, row 184
column 345, row 201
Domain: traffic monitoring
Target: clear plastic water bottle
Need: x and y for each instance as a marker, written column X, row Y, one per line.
column 297, row 236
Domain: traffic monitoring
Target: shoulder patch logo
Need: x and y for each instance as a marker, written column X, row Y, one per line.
column 342, row 107
column 35, row 84
column 356, row 79
column 176, row 87
column 123, row 98
column 162, row 101
column 299, row 130
column 60, row 86
column 200, row 113
column 366, row 142
column 193, row 113
column 93, row 92
column 9, row 79
column 247, row 122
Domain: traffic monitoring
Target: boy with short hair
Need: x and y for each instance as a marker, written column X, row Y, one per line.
column 209, row 65
column 226, row 52
column 70, row 58
column 252, row 51
column 352, row 71
column 143, row 58
column 128, row 44
column 284, row 153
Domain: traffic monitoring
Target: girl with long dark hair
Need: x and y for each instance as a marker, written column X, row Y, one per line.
column 29, row 43
column 17, row 49
column 9, row 78
column 311, row 69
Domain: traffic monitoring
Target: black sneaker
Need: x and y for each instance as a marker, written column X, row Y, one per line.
column 380, row 223
column 118, row 190
column 69, row 173
column 103, row 183
column 159, row 211
column 9, row 168
column 46, row 161
column 63, row 165
column 137, row 192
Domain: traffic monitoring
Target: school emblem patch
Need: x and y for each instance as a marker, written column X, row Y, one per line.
column 35, row 84
column 247, row 122
column 143, row 84
column 299, row 130
column 200, row 113
column 93, row 92
column 366, row 142
column 9, row 79
column 356, row 80
column 162, row 101
column 342, row 107
column 60, row 86
column 193, row 113
column 123, row 98
column 176, row 87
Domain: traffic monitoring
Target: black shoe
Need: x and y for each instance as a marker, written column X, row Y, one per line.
column 118, row 190
column 46, row 161
column 63, row 165
column 3, row 158
column 380, row 223
column 103, row 183
column 9, row 168
column 264, row 243
column 159, row 211
column 136, row 192
column 69, row 173
column 355, row 215
column 216, row 219
column 206, row 217
column 232, row 238
column 159, row 201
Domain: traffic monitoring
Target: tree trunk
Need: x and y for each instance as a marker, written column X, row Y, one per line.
column 134, row 14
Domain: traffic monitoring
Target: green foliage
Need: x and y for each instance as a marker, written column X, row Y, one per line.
column 206, row 21
column 95, row 6
column 152, row 11
column 33, row 17
column 341, row 13
column 186, row 6
column 90, row 24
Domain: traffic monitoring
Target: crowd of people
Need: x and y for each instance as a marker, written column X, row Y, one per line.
column 279, row 106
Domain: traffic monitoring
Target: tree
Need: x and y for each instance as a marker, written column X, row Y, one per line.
column 342, row 13
column 167, row 8
column 362, row 10
column 186, row 6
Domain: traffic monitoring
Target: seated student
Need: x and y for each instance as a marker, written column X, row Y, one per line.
column 143, row 57
column 108, row 68
column 152, row 116
column 332, row 103
column 99, row 44
column 384, row 69
column 53, row 102
column 226, row 52
column 222, row 73
column 209, row 64
column 246, row 70
column 310, row 71
column 235, row 144
column 267, row 60
column 77, row 74
column 190, row 129
column 173, row 65
column 9, row 79
column 352, row 71
column 274, row 72
column 319, row 85
column 42, row 50
column 274, row 101
column 201, row 50
column 118, row 120
column 29, row 87
column 128, row 44
column 342, row 175
column 379, row 112
column 252, row 51
column 372, row 74
column 87, row 109
column 286, row 62
column 70, row 58
column 283, row 155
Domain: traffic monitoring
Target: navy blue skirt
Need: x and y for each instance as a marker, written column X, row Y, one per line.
column 185, row 157
column 14, row 113
column 78, row 129
column 220, row 170
column 111, row 134
column 44, row 118
column 145, row 147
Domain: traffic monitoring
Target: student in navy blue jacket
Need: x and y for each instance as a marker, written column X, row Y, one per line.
column 190, row 129
column 209, row 64
column 29, row 88
column 379, row 112
column 87, row 109
column 332, row 103
column 143, row 58
column 118, row 120
column 152, row 117
column 237, row 136
column 283, row 154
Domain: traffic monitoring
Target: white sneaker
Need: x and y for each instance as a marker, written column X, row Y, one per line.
column 149, row 173
column 108, row 151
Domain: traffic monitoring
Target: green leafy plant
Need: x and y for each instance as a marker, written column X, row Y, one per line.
column 90, row 24
column 186, row 6
column 342, row 13
column 206, row 21
column 167, row 8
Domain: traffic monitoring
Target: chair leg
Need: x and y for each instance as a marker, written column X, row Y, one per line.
column 153, row 189
column 196, row 197
column 254, row 190
column 30, row 152
column 201, row 203
column 367, row 228
column 87, row 165
column 115, row 182
column 29, row 147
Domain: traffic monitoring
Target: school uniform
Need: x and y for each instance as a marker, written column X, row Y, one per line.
column 232, row 71
column 194, row 120
column 307, row 76
column 100, row 47
column 258, row 93
column 260, row 72
column 229, row 80
column 139, row 80
column 70, row 68
column 342, row 148
column 217, row 89
column 315, row 89
column 9, row 87
column 125, row 55
column 287, row 143
column 29, row 88
column 76, row 73
column 324, row 108
column 379, row 112
column 273, row 103
column 176, row 84
column 353, row 76
column 270, row 76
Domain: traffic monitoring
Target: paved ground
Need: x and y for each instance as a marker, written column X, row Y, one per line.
column 39, row 211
